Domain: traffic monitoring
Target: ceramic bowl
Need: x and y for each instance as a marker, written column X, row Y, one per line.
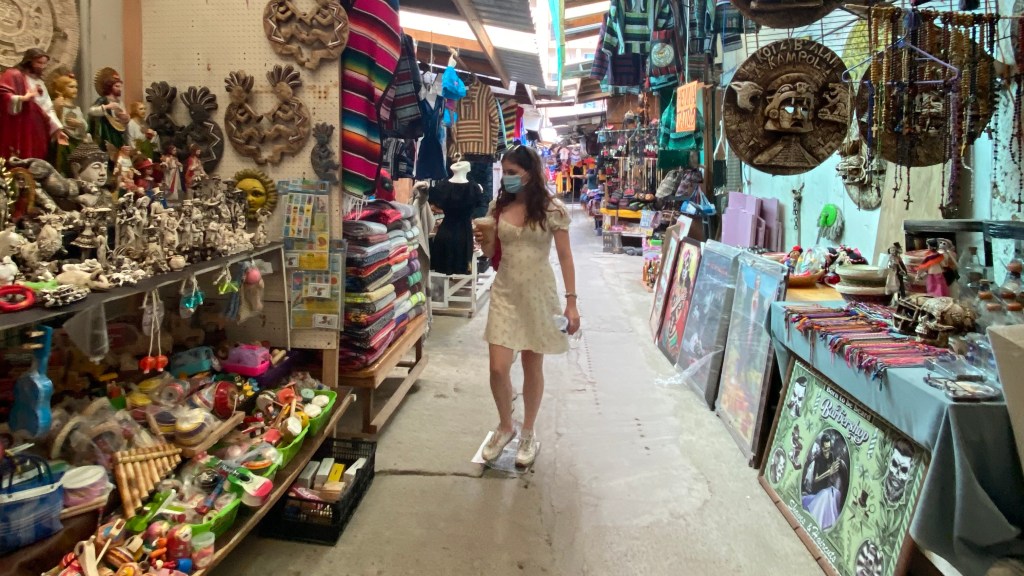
column 862, row 275
column 867, row 294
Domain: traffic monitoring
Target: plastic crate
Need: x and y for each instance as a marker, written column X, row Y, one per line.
column 317, row 424
column 288, row 451
column 321, row 522
column 220, row 523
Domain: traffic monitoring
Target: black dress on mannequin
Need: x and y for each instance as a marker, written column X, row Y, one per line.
column 451, row 249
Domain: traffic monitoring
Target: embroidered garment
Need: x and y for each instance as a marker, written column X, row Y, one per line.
column 476, row 132
column 368, row 65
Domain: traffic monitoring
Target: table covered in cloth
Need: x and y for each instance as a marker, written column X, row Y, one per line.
column 971, row 508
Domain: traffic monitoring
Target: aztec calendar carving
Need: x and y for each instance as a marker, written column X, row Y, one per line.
column 48, row 24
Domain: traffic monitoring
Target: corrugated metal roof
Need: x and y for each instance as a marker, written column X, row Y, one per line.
column 522, row 67
column 510, row 14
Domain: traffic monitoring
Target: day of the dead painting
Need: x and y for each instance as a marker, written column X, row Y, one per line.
column 847, row 480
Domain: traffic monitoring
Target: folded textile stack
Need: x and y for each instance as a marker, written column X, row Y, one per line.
column 383, row 281
column 407, row 278
column 369, row 294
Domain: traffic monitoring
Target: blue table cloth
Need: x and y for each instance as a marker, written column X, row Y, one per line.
column 971, row 508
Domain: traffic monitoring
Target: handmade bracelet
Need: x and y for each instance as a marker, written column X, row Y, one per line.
column 28, row 298
column 570, row 295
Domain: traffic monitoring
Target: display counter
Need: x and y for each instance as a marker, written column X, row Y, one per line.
column 971, row 505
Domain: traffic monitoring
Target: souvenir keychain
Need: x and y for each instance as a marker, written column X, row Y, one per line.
column 191, row 297
column 225, row 285
column 152, row 318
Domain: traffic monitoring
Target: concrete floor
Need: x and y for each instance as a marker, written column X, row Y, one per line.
column 634, row 477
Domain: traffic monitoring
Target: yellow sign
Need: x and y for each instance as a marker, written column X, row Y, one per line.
column 686, row 107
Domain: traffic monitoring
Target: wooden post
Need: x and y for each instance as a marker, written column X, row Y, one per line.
column 131, row 31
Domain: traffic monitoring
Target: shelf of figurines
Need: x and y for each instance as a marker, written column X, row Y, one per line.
column 97, row 297
column 188, row 474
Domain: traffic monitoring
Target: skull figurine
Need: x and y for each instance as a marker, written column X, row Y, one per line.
column 898, row 474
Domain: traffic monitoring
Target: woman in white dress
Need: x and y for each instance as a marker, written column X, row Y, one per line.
column 524, row 298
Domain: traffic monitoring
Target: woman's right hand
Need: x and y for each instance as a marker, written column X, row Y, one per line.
column 478, row 234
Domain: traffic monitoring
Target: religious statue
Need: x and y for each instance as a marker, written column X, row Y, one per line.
column 88, row 166
column 28, row 121
column 93, row 233
column 145, row 182
column 64, row 91
column 171, row 167
column 140, row 135
column 124, row 169
column 195, row 173
column 109, row 119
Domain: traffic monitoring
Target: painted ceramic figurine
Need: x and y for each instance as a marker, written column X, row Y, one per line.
column 259, row 238
column 793, row 257
column 29, row 120
column 64, row 90
column 934, row 270
column 171, row 167
column 897, row 276
column 124, row 171
column 144, row 181
column 195, row 174
column 109, row 118
column 140, row 136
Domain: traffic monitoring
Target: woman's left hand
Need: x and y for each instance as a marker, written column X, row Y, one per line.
column 573, row 315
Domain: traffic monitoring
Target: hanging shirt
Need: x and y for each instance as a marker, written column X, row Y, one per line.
column 368, row 66
column 478, row 125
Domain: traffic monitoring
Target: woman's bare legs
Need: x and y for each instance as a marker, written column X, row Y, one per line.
column 533, row 387
column 501, row 384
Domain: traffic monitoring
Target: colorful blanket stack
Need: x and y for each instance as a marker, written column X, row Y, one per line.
column 383, row 281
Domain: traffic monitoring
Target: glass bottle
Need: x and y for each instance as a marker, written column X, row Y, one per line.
column 1015, row 312
column 1011, row 286
column 971, row 273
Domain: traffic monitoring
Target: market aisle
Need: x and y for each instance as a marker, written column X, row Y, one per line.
column 632, row 478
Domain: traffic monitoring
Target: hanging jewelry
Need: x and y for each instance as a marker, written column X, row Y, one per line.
column 152, row 318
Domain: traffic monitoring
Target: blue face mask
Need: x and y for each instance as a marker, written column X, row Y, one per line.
column 512, row 184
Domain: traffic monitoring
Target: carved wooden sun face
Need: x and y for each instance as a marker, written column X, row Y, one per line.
column 260, row 191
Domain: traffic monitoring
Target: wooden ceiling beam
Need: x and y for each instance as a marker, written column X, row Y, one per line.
column 583, row 33
column 472, row 18
column 469, row 64
column 460, row 44
column 580, row 21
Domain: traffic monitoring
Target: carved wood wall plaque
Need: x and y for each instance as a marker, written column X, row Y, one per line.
column 267, row 138
column 787, row 109
column 308, row 37
column 785, row 13
column 51, row 25
column 202, row 130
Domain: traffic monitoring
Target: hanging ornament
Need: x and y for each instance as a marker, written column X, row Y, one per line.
column 830, row 224
column 152, row 318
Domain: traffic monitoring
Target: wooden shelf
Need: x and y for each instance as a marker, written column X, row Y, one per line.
column 39, row 314
column 249, row 518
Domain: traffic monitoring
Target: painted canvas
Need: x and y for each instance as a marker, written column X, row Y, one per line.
column 663, row 283
column 748, row 360
column 846, row 479
column 677, row 303
column 700, row 356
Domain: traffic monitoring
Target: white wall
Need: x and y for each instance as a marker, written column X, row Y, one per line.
column 102, row 45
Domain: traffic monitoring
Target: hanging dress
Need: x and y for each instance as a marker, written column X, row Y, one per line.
column 451, row 249
column 430, row 161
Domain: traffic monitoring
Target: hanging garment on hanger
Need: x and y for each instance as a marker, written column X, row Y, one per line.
column 451, row 249
column 430, row 157
column 404, row 118
column 368, row 66
column 509, row 113
column 477, row 129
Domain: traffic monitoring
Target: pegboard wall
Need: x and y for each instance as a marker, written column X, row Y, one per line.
column 199, row 42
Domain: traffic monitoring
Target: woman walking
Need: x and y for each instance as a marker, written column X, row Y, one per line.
column 524, row 297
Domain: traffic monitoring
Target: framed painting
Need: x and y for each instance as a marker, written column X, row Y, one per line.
column 664, row 281
column 749, row 358
column 677, row 302
column 846, row 480
column 703, row 347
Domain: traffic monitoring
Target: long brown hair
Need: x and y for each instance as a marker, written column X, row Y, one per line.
column 534, row 189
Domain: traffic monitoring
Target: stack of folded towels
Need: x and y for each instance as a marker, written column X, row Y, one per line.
column 383, row 283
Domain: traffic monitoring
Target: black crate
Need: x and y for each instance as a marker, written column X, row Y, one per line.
column 320, row 522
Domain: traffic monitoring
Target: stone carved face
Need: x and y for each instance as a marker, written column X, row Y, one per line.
column 898, row 473
column 93, row 173
column 791, row 109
